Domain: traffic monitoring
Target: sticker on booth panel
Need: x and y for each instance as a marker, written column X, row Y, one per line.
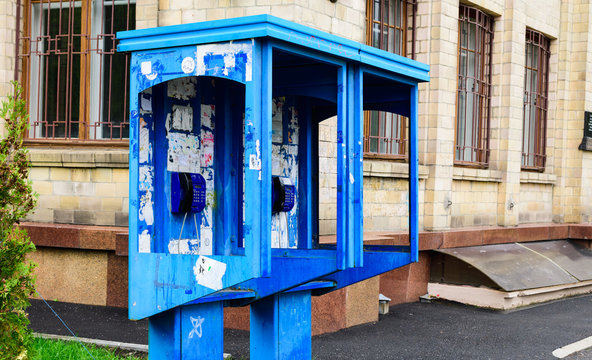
column 182, row 88
column 183, row 153
column 144, row 242
column 146, row 213
column 181, row 118
column 188, row 65
column 209, row 272
column 230, row 60
column 145, row 145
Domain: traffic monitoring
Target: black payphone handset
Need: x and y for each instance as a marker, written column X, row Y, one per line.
column 283, row 194
column 188, row 192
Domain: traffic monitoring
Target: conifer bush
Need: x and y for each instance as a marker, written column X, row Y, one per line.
column 17, row 199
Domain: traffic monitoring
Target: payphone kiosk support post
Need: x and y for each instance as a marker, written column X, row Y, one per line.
column 224, row 177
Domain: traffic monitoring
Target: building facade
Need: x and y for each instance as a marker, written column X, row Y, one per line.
column 501, row 124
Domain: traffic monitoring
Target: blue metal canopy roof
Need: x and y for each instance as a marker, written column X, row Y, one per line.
column 270, row 26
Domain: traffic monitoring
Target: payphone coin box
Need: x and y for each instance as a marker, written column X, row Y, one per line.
column 188, row 192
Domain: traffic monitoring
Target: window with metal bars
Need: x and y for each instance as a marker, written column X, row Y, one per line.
column 75, row 81
column 390, row 26
column 536, row 79
column 473, row 107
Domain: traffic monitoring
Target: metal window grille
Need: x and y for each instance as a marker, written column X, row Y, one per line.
column 387, row 29
column 474, row 87
column 76, row 83
column 536, row 79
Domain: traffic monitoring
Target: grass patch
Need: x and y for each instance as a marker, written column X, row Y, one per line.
column 46, row 349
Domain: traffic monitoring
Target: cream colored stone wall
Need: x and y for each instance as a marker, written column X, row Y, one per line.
column 386, row 203
column 474, row 203
column 85, row 189
column 535, row 203
column 345, row 17
column 328, row 176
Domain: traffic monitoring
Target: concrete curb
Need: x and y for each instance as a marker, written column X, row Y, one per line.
column 104, row 343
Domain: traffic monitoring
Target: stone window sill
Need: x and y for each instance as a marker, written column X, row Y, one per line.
column 527, row 177
column 391, row 169
column 79, row 158
column 472, row 174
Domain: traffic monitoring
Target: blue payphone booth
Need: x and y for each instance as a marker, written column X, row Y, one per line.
column 224, row 186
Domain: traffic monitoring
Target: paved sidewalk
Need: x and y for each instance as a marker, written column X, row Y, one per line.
column 438, row 330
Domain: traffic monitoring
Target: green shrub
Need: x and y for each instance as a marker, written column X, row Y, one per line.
column 16, row 201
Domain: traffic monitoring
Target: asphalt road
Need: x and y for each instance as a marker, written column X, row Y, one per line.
column 438, row 330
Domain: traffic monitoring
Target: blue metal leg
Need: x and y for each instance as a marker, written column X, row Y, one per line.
column 280, row 327
column 187, row 332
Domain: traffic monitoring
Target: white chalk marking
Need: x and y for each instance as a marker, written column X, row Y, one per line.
column 573, row 348
column 197, row 329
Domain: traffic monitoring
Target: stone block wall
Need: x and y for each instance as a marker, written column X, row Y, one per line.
column 474, row 203
column 535, row 203
column 345, row 18
column 80, row 187
column 328, row 176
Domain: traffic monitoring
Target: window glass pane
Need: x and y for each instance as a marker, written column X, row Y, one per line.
column 535, row 100
column 374, row 131
column 384, row 131
column 473, row 102
column 115, row 100
column 61, row 75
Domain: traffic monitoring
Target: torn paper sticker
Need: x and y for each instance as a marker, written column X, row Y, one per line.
column 188, row 65
column 144, row 242
column 146, row 67
column 207, row 148
column 184, row 246
column 209, row 272
column 145, row 104
column 206, row 116
column 255, row 159
column 183, row 153
column 233, row 60
column 146, row 212
column 182, row 118
column 145, row 178
column 182, row 88
column 145, row 146
column 277, row 131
